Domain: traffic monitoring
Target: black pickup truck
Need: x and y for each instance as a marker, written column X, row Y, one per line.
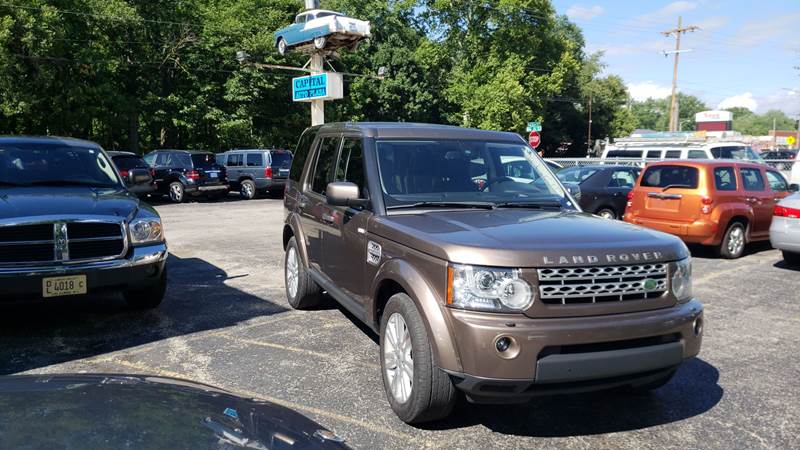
column 69, row 226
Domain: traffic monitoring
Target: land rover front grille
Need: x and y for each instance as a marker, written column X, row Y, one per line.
column 58, row 242
column 571, row 285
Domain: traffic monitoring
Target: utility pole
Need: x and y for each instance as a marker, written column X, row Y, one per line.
column 589, row 138
column 673, row 107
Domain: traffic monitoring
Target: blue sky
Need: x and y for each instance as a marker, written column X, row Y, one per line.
column 744, row 54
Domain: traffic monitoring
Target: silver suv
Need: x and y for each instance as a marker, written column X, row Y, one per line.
column 256, row 170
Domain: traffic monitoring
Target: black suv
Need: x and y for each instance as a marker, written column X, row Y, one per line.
column 182, row 172
column 126, row 162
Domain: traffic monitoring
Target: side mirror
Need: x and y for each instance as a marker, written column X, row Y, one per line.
column 794, row 187
column 140, row 176
column 344, row 193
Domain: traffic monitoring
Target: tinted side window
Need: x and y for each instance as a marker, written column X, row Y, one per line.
column 150, row 158
column 351, row 163
column 161, row 159
column 653, row 154
column 663, row 176
column 672, row 154
column 255, row 159
column 752, row 179
column 776, row 182
column 622, row 179
column 633, row 154
column 724, row 179
column 697, row 154
column 235, row 159
column 301, row 153
column 326, row 160
column 182, row 160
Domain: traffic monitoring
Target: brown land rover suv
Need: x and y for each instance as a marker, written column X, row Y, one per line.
column 479, row 280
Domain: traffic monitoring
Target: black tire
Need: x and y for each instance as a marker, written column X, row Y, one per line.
column 607, row 213
column 793, row 259
column 727, row 249
column 307, row 294
column 177, row 193
column 433, row 394
column 281, row 46
column 247, row 189
column 149, row 297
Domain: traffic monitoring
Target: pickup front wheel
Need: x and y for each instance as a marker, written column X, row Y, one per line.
column 417, row 390
column 301, row 291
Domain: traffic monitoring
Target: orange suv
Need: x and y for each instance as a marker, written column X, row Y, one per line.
column 722, row 203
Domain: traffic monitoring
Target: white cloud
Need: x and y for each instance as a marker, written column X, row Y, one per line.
column 580, row 12
column 784, row 100
column 744, row 100
column 779, row 27
column 648, row 89
column 668, row 13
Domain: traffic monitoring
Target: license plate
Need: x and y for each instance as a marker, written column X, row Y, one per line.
column 61, row 286
column 213, row 174
column 284, row 172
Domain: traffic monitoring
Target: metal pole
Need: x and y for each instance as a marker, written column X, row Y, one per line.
column 317, row 106
column 589, row 138
column 774, row 134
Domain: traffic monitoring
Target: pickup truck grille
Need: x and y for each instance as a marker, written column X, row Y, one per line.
column 60, row 242
column 573, row 285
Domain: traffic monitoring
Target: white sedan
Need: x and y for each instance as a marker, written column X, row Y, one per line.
column 784, row 233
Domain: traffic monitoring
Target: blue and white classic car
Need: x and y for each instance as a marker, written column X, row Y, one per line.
column 323, row 30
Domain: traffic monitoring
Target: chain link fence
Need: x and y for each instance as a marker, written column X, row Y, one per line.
column 784, row 165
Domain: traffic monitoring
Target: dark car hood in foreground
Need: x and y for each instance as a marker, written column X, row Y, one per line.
column 139, row 412
column 527, row 238
column 18, row 202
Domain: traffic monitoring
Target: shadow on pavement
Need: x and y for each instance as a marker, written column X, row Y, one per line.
column 693, row 391
column 705, row 251
column 782, row 264
column 46, row 333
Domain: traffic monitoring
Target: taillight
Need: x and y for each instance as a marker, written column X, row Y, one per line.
column 707, row 202
column 123, row 173
column 782, row 211
column 192, row 175
column 152, row 173
column 630, row 199
column 268, row 172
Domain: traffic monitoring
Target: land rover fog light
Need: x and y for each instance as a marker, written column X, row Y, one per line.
column 506, row 346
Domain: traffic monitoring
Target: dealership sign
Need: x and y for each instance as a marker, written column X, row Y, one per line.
column 323, row 86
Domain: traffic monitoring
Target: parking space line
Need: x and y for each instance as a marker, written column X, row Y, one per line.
column 242, row 392
column 293, row 349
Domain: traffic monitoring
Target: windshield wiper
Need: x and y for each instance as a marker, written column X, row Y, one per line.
column 670, row 186
column 530, row 205
column 68, row 183
column 478, row 205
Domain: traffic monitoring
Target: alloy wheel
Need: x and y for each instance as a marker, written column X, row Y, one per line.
column 292, row 272
column 398, row 358
column 176, row 192
column 736, row 241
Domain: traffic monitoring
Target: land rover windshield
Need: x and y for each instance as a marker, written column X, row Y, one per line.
column 36, row 164
column 449, row 172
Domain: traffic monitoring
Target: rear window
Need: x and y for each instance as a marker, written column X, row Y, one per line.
column 281, row 159
column 575, row 174
column 635, row 154
column 203, row 160
column 670, row 176
column 129, row 162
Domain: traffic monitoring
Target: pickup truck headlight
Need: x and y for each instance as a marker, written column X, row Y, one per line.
column 487, row 289
column 144, row 231
column 682, row 280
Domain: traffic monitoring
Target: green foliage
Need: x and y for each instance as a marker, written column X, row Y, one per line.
column 653, row 114
column 159, row 73
column 750, row 123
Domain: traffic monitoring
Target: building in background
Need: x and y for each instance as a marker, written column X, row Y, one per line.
column 714, row 121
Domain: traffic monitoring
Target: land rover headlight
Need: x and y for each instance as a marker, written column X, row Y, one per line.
column 144, row 231
column 487, row 289
column 682, row 279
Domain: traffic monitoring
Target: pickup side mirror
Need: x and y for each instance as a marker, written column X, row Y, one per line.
column 139, row 176
column 794, row 187
column 344, row 193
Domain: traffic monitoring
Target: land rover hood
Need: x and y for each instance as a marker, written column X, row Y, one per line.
column 526, row 238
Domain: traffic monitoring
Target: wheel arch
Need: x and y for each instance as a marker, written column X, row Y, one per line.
column 398, row 276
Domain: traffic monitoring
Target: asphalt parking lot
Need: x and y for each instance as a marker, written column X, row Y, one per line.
column 226, row 322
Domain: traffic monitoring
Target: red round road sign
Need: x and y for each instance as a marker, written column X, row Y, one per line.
column 534, row 139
